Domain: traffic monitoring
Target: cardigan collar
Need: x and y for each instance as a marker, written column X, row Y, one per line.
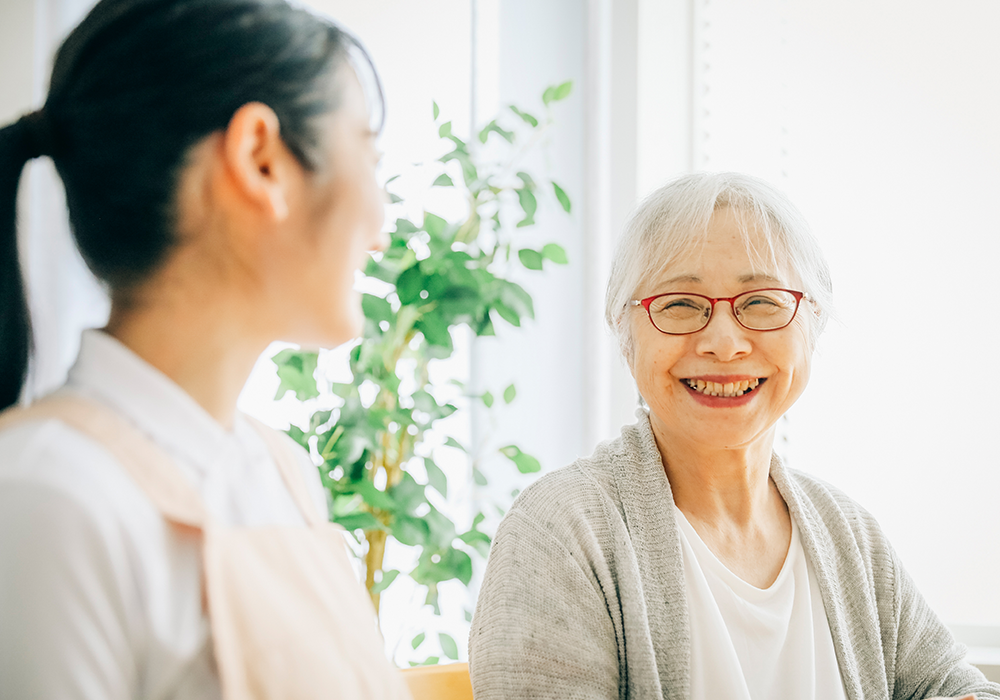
column 652, row 527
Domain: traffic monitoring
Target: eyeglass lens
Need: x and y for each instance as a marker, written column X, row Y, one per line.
column 760, row 310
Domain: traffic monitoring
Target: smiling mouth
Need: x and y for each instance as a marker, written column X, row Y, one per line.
column 729, row 390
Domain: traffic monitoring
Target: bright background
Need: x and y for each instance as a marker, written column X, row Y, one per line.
column 878, row 117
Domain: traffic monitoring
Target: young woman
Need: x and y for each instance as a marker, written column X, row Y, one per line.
column 219, row 163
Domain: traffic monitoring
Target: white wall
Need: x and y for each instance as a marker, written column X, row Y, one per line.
column 17, row 49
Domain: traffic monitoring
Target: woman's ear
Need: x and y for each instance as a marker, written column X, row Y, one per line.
column 257, row 160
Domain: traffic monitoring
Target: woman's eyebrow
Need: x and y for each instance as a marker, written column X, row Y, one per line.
column 682, row 278
column 758, row 277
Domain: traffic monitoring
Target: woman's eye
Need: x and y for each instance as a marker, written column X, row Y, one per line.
column 759, row 301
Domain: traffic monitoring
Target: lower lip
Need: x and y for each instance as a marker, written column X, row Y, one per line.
column 722, row 401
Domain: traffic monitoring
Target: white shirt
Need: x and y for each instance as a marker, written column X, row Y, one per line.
column 99, row 597
column 752, row 643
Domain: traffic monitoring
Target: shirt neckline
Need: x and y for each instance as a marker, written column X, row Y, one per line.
column 707, row 558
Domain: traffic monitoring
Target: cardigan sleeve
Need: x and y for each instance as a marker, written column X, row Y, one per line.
column 542, row 627
column 929, row 662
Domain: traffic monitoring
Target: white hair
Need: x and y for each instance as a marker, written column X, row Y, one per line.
column 673, row 222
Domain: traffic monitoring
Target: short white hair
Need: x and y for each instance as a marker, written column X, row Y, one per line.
column 673, row 222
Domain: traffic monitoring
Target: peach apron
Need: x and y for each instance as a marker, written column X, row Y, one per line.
column 289, row 619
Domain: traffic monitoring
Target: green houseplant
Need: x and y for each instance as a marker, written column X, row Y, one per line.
column 435, row 276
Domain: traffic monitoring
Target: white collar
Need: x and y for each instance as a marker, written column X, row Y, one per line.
column 108, row 371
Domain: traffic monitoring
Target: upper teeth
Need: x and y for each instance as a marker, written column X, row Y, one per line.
column 728, row 389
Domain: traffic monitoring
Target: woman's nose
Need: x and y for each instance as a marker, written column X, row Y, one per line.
column 724, row 337
column 381, row 242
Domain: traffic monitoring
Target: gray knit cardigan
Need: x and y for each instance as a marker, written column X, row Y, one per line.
column 584, row 593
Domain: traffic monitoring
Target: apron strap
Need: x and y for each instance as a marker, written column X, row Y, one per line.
column 147, row 464
column 291, row 472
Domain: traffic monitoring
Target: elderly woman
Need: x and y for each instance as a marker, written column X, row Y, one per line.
column 682, row 559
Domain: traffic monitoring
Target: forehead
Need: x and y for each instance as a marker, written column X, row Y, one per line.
column 731, row 248
column 353, row 102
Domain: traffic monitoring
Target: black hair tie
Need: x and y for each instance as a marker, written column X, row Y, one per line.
column 39, row 131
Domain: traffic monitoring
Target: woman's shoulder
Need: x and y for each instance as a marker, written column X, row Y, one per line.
column 62, row 467
column 580, row 496
column 827, row 497
column 821, row 506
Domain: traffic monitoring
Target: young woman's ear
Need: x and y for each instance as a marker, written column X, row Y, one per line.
column 257, row 159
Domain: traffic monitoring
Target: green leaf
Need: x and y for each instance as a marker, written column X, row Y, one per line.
column 468, row 615
column 525, row 463
column 508, row 136
column 359, row 521
column 296, row 373
column 562, row 197
column 375, row 497
column 528, row 181
column 434, row 224
column 299, row 435
column 418, row 640
column 408, row 495
column 509, row 393
column 409, row 284
column 529, row 204
column 555, row 93
column 435, row 330
column 452, row 442
column 387, row 578
column 487, row 398
column 444, row 131
column 442, row 530
column 411, row 531
column 436, row 477
column 394, row 198
column 514, row 296
column 405, row 226
column 443, row 180
column 437, row 112
column 507, row 314
column 376, row 308
column 555, row 252
column 451, row 563
column 479, row 477
column 448, row 646
column 525, row 116
column 469, row 172
column 531, row 259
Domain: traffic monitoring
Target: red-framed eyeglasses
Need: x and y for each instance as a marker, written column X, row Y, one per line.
column 681, row 313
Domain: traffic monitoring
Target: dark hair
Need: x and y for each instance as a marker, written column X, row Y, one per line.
column 133, row 88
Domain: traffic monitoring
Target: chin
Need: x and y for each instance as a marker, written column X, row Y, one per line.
column 342, row 328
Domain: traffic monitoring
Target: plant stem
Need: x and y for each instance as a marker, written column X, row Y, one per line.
column 373, row 561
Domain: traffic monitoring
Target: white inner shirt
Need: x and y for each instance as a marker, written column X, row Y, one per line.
column 750, row 643
column 99, row 597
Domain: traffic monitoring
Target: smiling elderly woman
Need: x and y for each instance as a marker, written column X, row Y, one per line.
column 682, row 559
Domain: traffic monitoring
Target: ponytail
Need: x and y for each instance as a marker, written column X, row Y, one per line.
column 20, row 142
